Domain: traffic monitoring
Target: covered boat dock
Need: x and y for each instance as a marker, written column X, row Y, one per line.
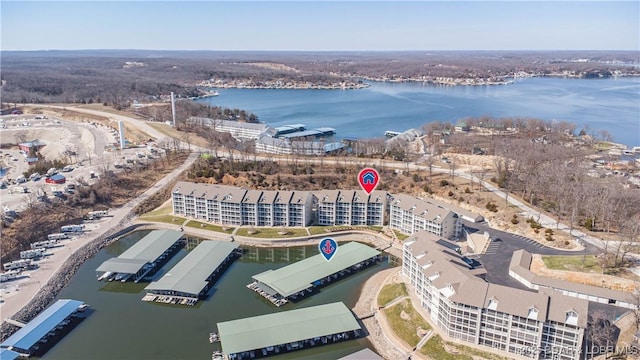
column 38, row 334
column 142, row 257
column 280, row 332
column 300, row 278
column 190, row 279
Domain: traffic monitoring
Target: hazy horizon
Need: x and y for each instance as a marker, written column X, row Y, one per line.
column 321, row 26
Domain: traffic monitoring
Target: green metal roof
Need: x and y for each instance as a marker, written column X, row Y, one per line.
column 190, row 274
column 152, row 246
column 301, row 275
column 364, row 354
column 124, row 266
column 258, row 332
column 146, row 250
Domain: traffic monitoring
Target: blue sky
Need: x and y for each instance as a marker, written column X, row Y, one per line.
column 321, row 25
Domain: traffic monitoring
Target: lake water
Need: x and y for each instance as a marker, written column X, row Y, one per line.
column 610, row 104
column 121, row 326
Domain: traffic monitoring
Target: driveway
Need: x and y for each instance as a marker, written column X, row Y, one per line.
column 498, row 255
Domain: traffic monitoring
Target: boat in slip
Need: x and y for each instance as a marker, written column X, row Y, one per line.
column 213, row 337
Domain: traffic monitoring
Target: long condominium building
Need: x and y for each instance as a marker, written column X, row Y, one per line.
column 350, row 207
column 235, row 206
column 230, row 205
column 410, row 214
column 537, row 325
column 239, row 130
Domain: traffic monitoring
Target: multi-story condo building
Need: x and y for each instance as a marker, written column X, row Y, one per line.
column 350, row 207
column 410, row 214
column 536, row 325
column 271, row 145
column 235, row 206
column 326, row 207
column 239, row 130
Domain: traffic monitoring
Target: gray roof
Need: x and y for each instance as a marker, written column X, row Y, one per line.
column 467, row 214
column 220, row 193
column 300, row 275
column 327, row 196
column 420, row 207
column 521, row 262
column 301, row 134
column 124, row 266
column 191, row 273
column 560, row 304
column 146, row 250
column 268, row 197
column 252, row 196
column 472, row 290
column 504, row 296
column 283, row 197
column 299, row 197
column 347, row 196
column 231, row 123
column 151, row 246
column 258, row 332
column 364, row 354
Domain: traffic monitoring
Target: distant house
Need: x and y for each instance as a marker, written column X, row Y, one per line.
column 461, row 126
column 34, row 145
column 31, row 160
column 56, row 179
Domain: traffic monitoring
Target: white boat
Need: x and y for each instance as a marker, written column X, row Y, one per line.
column 105, row 275
column 213, row 337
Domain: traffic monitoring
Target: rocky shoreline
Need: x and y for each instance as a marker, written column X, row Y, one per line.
column 61, row 278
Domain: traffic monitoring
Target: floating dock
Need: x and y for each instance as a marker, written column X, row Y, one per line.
column 288, row 129
column 191, row 278
column 39, row 334
column 143, row 257
column 301, row 278
column 267, row 335
column 315, row 133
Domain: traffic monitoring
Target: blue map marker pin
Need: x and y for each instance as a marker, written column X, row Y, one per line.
column 328, row 247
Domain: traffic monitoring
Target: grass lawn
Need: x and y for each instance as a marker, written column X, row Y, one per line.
column 435, row 349
column 210, row 227
column 400, row 235
column 162, row 214
column 169, row 219
column 390, row 292
column 316, row 230
column 573, row 263
column 406, row 329
column 162, row 210
column 272, row 233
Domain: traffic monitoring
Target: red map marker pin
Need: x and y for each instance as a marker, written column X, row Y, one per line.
column 368, row 179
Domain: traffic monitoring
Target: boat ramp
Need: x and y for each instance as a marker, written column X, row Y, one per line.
column 303, row 277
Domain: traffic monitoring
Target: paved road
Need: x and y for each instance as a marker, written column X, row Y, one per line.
column 498, row 255
column 545, row 221
column 142, row 125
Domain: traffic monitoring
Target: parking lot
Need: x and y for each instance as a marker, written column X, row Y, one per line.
column 88, row 148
